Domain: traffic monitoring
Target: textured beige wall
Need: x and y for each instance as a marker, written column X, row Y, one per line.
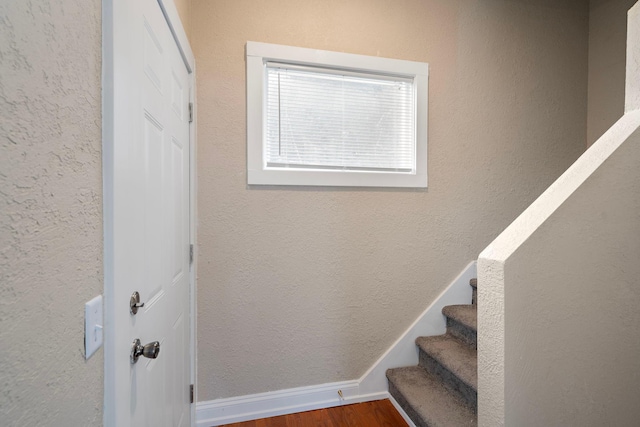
column 184, row 10
column 301, row 286
column 607, row 44
column 50, row 211
column 572, row 340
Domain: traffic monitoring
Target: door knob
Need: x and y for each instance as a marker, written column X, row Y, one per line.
column 149, row 351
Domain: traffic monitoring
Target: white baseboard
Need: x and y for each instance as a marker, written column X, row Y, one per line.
column 400, row 410
column 281, row 402
column 371, row 386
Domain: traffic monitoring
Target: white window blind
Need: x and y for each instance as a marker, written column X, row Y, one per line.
column 321, row 118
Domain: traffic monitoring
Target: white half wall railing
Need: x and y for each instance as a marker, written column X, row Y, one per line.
column 559, row 289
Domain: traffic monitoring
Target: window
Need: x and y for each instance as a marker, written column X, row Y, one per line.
column 334, row 119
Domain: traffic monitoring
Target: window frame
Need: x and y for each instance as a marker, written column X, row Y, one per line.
column 257, row 56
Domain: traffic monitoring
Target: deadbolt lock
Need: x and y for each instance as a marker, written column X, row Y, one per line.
column 134, row 303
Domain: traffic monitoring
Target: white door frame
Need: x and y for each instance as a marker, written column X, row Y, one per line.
column 111, row 16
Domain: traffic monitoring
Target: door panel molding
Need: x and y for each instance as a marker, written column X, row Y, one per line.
column 118, row 16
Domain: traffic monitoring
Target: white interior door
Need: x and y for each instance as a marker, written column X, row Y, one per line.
column 147, row 221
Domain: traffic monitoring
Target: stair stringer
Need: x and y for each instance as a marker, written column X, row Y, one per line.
column 404, row 351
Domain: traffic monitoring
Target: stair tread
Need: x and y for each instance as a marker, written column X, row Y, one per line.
column 430, row 400
column 467, row 314
column 456, row 356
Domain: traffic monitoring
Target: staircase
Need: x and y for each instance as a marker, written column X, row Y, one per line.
column 442, row 390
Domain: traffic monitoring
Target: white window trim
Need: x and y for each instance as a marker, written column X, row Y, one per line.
column 258, row 54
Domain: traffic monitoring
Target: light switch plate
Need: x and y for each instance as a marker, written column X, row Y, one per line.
column 92, row 326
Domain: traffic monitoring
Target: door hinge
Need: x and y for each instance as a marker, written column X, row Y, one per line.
column 191, row 393
column 190, row 112
column 191, row 253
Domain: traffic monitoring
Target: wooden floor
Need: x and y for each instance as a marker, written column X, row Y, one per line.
column 380, row 413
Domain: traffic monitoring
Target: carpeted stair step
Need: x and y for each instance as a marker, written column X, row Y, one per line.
column 454, row 362
column 442, row 390
column 474, row 286
column 426, row 400
column 462, row 322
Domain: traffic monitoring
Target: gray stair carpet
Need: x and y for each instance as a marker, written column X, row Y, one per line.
column 442, row 391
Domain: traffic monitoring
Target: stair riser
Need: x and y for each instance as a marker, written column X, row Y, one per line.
column 474, row 285
column 408, row 409
column 462, row 332
column 454, row 384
